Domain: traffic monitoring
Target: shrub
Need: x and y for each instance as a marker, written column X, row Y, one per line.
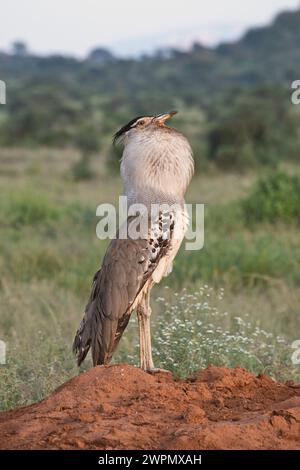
column 274, row 197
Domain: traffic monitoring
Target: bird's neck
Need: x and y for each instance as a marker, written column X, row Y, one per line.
column 157, row 169
column 147, row 197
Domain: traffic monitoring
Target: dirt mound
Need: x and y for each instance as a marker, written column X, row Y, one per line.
column 121, row 407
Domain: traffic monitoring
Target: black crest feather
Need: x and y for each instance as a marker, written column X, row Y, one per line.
column 126, row 128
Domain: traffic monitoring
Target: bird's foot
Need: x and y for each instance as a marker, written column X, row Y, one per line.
column 157, row 370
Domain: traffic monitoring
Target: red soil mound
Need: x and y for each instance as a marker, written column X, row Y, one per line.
column 121, row 407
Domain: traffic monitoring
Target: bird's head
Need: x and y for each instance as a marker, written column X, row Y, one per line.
column 156, row 158
column 141, row 124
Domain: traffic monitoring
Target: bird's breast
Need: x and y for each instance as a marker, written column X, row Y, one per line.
column 181, row 222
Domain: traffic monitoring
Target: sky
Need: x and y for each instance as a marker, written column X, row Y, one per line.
column 129, row 27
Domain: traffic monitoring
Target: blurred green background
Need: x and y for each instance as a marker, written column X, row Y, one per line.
column 237, row 300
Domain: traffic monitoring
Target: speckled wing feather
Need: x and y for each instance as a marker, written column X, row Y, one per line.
column 128, row 264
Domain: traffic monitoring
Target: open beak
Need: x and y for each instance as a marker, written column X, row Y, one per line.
column 162, row 118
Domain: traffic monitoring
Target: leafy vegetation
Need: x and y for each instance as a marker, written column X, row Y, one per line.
column 275, row 197
column 253, row 128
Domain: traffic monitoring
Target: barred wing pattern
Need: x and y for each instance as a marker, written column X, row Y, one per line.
column 127, row 266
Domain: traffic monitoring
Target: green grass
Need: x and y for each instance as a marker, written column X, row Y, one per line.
column 249, row 314
column 242, row 258
column 38, row 320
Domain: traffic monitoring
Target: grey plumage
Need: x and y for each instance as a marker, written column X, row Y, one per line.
column 131, row 266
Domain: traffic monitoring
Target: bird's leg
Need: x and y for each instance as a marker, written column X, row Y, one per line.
column 148, row 348
column 140, row 315
column 143, row 314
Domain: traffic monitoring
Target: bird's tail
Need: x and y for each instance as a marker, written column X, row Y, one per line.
column 91, row 335
column 97, row 331
column 83, row 338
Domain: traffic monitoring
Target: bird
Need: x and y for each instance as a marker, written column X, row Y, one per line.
column 157, row 166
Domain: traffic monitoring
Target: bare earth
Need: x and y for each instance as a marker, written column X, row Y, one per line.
column 121, row 407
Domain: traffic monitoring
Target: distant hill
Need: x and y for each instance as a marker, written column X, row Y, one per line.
column 270, row 50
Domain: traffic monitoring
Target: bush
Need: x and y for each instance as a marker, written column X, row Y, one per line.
column 230, row 158
column 275, row 197
column 253, row 127
column 81, row 170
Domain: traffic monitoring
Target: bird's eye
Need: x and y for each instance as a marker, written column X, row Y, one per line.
column 141, row 123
